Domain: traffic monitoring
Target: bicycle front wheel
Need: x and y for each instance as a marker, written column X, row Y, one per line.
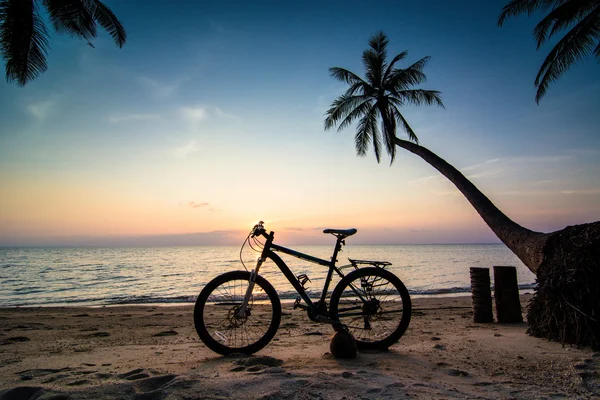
column 216, row 314
column 374, row 305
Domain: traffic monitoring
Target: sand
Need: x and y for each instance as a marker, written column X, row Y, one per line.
column 153, row 352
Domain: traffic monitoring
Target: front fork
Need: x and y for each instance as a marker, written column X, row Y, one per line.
column 251, row 282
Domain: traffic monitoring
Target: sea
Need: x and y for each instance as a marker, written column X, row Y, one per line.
column 90, row 276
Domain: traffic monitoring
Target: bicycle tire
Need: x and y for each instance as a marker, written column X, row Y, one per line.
column 218, row 326
column 379, row 322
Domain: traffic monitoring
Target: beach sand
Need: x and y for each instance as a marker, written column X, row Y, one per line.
column 153, row 352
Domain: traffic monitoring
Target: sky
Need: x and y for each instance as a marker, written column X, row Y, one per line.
column 210, row 118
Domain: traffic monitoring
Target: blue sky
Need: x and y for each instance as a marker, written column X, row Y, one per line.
column 211, row 117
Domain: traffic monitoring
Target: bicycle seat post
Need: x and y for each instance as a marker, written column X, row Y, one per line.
column 338, row 247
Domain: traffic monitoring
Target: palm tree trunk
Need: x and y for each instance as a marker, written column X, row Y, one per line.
column 526, row 244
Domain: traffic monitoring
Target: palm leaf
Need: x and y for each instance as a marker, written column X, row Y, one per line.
column 562, row 17
column 374, row 59
column 388, row 127
column 401, row 79
column 23, row 40
column 390, row 67
column 516, row 7
column 345, row 76
column 109, row 22
column 367, row 131
column 80, row 18
column 73, row 17
column 341, row 108
column 576, row 44
column 400, row 118
column 359, row 110
column 419, row 97
column 372, row 69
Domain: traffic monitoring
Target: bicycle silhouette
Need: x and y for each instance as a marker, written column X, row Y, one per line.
column 240, row 311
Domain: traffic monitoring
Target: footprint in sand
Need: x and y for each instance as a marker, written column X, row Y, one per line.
column 154, row 383
column 99, row 334
column 134, row 375
column 78, row 383
column 14, row 339
column 456, row 372
column 258, row 363
column 166, row 333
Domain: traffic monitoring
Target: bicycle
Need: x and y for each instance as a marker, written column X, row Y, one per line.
column 240, row 311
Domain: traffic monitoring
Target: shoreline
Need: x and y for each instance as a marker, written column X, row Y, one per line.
column 284, row 300
column 153, row 352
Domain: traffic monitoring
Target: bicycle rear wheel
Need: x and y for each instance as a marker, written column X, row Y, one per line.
column 374, row 305
column 216, row 320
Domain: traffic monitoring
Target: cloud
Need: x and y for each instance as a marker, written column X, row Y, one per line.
column 158, row 89
column 549, row 193
column 42, row 109
column 133, row 117
column 194, row 114
column 221, row 114
column 581, row 191
column 492, row 168
column 482, row 174
column 183, row 152
column 193, row 204
column 479, row 165
column 427, row 180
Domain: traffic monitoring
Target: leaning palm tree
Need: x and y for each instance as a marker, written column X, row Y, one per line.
column 581, row 41
column 568, row 259
column 24, row 37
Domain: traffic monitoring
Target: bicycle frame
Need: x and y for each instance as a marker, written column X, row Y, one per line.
column 269, row 250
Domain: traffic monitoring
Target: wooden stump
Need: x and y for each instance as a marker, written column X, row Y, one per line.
column 481, row 294
column 506, row 293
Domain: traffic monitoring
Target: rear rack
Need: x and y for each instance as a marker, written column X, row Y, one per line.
column 378, row 264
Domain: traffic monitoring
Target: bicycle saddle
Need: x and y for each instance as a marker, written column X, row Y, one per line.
column 343, row 232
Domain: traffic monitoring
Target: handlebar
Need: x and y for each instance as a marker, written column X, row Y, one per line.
column 258, row 229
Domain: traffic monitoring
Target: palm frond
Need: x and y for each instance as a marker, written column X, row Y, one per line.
column 374, row 59
column 378, row 42
column 23, row 40
column 341, row 108
column 401, row 79
column 358, row 111
column 388, row 129
column 366, row 132
column 419, row 97
column 80, row 18
column 343, row 75
column 402, row 121
column 576, row 44
column 73, row 17
column 561, row 17
column 109, row 21
column 358, row 87
column 390, row 67
column 516, row 7
column 372, row 69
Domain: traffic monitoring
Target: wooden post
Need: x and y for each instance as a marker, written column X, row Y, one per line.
column 506, row 293
column 481, row 295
